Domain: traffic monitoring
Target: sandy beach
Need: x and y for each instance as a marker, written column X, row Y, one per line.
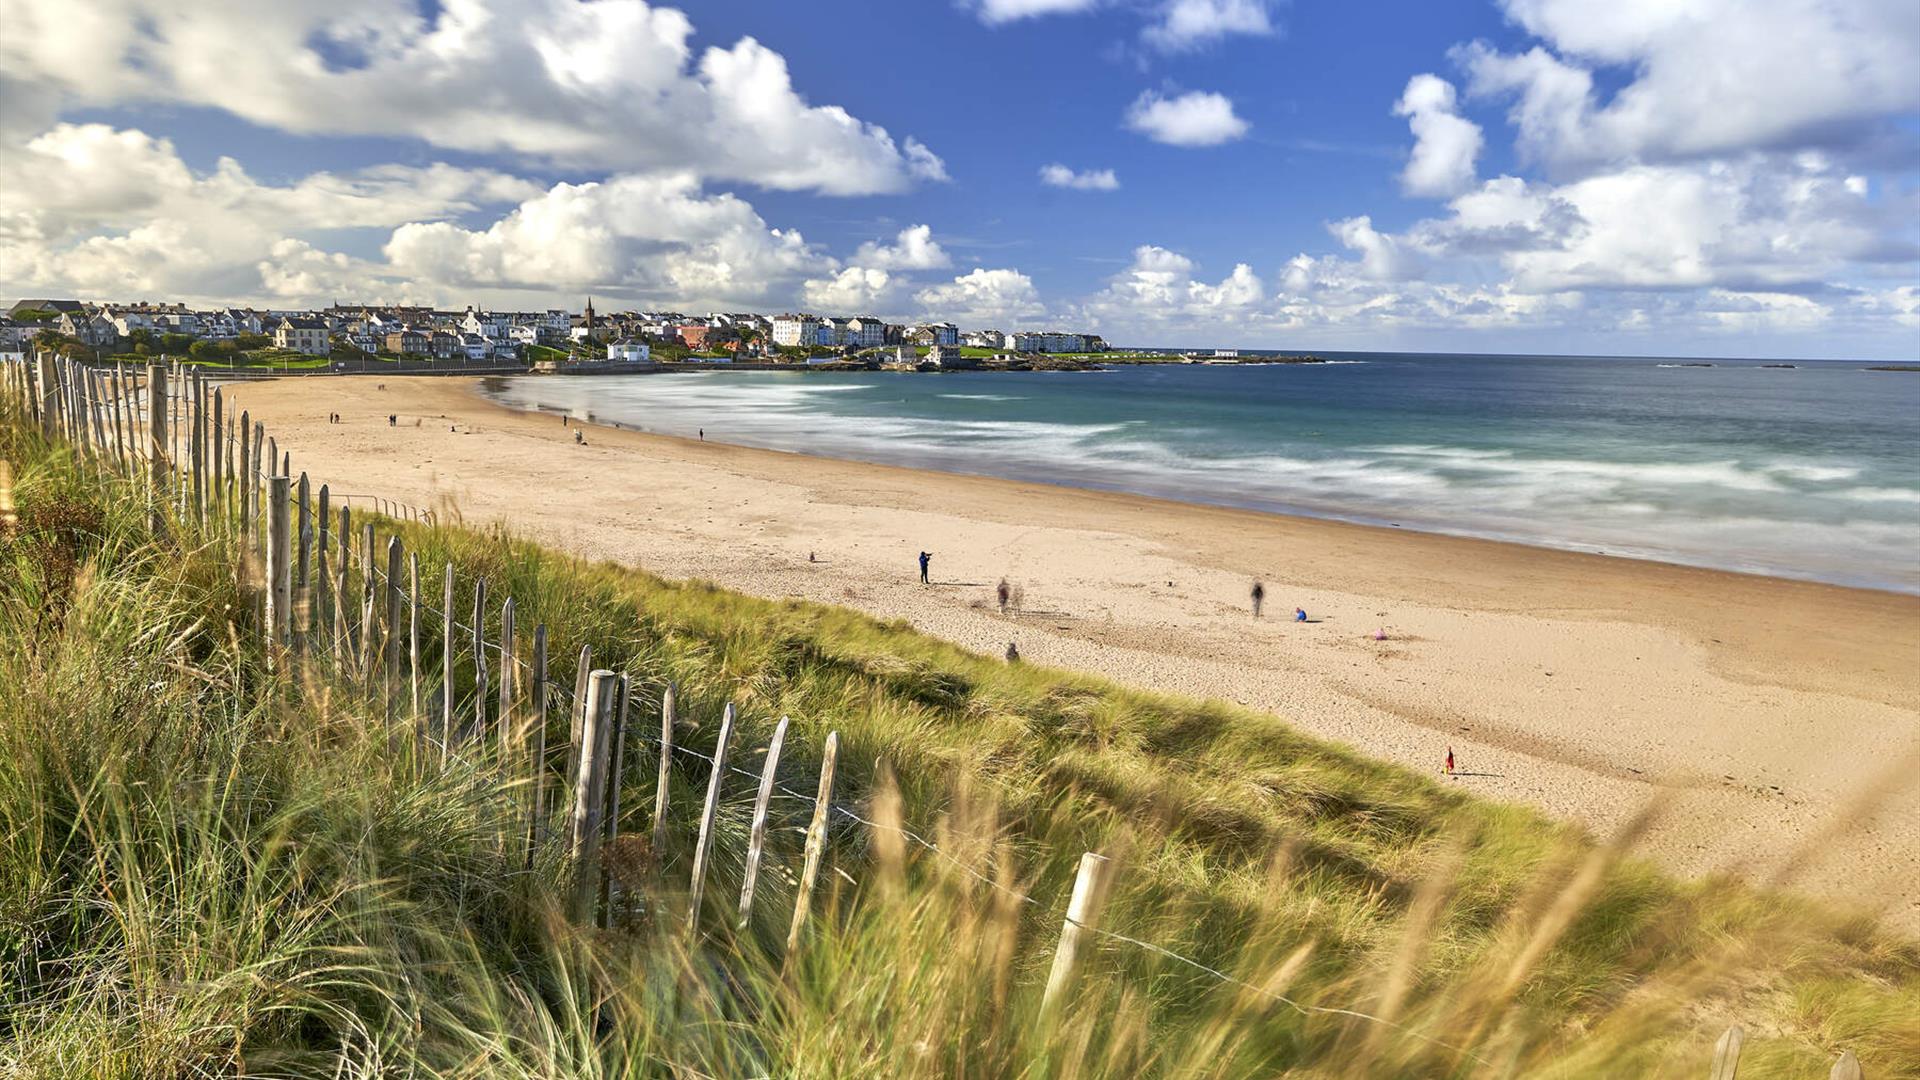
column 1777, row 718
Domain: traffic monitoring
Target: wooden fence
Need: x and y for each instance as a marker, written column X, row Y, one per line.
column 203, row 466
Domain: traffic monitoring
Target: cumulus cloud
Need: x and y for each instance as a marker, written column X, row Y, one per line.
column 1195, row 118
column 644, row 237
column 1183, row 25
column 1060, row 176
column 1445, row 143
column 983, row 297
column 913, row 249
column 613, row 84
column 1710, row 77
column 855, row 290
column 115, row 212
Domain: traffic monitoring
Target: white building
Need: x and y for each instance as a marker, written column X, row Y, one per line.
column 1048, row 341
column 629, row 352
column 795, row 330
column 302, row 335
column 863, row 332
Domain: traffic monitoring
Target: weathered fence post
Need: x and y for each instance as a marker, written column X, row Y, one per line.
column 537, row 810
column 1083, row 909
column 393, row 628
column 589, row 795
column 816, row 841
column 666, row 771
column 480, row 662
column 1847, row 1068
column 279, row 573
column 446, row 665
column 581, row 670
column 703, row 847
column 757, row 836
column 244, row 490
column 369, row 660
column 616, row 770
column 413, row 633
column 1726, row 1054
column 157, row 435
column 505, row 720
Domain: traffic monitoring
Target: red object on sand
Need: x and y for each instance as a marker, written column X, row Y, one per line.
column 1449, row 759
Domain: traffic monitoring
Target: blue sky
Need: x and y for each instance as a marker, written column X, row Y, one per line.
column 1700, row 177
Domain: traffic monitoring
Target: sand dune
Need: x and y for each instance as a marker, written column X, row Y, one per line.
column 1768, row 712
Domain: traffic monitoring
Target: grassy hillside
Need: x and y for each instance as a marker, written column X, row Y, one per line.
column 211, row 868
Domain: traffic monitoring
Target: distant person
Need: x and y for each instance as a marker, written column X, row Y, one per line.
column 579, row 437
column 1299, row 614
column 1013, row 653
column 810, row 557
column 1380, row 634
column 703, row 434
column 1005, row 594
column 563, row 420
column 1259, row 598
column 926, row 560
column 1449, row 761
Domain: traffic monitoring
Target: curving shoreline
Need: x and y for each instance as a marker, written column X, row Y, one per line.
column 1584, row 684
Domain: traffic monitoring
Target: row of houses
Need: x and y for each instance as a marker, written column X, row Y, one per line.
column 475, row 334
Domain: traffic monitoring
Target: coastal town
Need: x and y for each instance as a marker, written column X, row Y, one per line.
column 356, row 336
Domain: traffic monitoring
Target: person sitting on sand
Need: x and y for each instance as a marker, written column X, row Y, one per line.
column 1299, row 614
column 1013, row 653
column 579, row 437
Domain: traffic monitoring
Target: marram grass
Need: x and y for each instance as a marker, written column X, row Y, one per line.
column 209, row 867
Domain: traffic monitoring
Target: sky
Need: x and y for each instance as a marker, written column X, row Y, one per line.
column 1648, row 177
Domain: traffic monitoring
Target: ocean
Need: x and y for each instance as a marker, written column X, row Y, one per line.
column 1810, row 471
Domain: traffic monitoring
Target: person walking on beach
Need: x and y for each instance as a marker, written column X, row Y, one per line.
column 926, row 560
column 703, row 434
column 1259, row 597
column 1449, row 761
column 1005, row 593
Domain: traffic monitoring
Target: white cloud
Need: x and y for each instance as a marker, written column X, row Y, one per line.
column 117, row 213
column 1708, row 77
column 1195, row 118
column 855, row 290
column 995, row 12
column 1445, row 143
column 913, row 249
column 1159, row 284
column 612, row 84
column 1058, row 175
column 1381, row 256
column 1183, row 25
column 640, row 237
column 983, row 297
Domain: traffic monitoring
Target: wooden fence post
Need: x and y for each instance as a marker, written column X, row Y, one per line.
column 480, row 662
column 616, row 770
column 589, row 795
column 703, row 847
column 446, row 665
column 243, row 490
column 369, row 660
column 303, row 530
column 279, row 573
column 505, row 720
column 1726, row 1054
column 537, row 811
column 666, row 771
column 581, row 669
column 757, row 836
column 394, row 589
column 413, row 633
column 1083, row 910
column 157, row 435
column 816, row 841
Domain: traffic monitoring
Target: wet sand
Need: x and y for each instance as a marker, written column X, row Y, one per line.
column 1767, row 711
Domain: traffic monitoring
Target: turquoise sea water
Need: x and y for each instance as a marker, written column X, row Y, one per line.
column 1811, row 471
